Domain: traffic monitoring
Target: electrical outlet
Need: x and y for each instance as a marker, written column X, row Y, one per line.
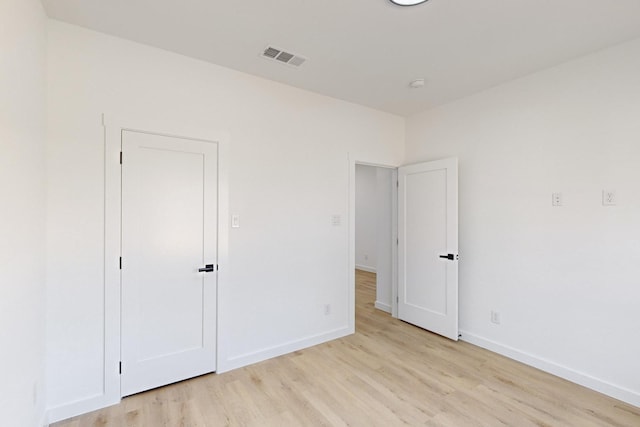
column 327, row 309
column 608, row 198
column 556, row 199
column 495, row 317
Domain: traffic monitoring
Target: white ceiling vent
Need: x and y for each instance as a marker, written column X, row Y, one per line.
column 283, row 57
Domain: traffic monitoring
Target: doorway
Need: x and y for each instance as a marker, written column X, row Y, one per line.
column 424, row 243
column 374, row 231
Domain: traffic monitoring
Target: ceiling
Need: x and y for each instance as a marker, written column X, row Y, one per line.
column 367, row 51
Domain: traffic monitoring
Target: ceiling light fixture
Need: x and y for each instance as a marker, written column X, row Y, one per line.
column 407, row 2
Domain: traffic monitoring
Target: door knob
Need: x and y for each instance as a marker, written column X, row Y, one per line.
column 448, row 256
column 207, row 268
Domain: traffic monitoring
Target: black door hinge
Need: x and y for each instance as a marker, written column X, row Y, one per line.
column 120, row 368
column 121, row 157
column 120, row 263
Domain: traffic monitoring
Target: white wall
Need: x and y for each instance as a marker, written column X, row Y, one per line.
column 289, row 174
column 22, row 136
column 564, row 279
column 366, row 218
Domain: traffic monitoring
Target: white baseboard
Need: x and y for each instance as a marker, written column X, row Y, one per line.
column 366, row 268
column 629, row 396
column 382, row 306
column 271, row 352
column 79, row 407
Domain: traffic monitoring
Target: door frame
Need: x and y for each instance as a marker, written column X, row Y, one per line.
column 113, row 127
column 352, row 239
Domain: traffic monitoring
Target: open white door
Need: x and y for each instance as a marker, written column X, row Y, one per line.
column 169, row 233
column 428, row 246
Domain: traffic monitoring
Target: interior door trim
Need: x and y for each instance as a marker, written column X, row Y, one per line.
column 113, row 127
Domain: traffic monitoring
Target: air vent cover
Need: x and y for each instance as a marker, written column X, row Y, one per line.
column 282, row 57
column 271, row 52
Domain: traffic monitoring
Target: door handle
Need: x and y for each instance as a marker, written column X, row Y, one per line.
column 207, row 269
column 449, row 256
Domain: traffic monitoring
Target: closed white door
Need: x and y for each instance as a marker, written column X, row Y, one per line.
column 169, row 232
column 428, row 246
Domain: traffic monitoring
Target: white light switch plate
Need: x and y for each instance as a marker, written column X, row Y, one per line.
column 235, row 221
column 556, row 199
column 608, row 198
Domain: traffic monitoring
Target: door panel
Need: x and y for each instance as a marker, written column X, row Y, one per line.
column 169, row 217
column 427, row 230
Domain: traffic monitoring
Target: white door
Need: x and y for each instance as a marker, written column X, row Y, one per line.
column 428, row 246
column 169, row 227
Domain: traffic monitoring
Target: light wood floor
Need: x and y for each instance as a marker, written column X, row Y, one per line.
column 388, row 374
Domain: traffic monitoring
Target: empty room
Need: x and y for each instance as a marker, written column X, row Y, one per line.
column 332, row 213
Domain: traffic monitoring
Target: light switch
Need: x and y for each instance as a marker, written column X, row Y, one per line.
column 608, row 198
column 235, row 221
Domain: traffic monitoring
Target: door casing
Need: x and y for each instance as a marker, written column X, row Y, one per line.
column 113, row 127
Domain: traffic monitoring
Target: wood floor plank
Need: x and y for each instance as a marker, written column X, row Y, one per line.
column 387, row 374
